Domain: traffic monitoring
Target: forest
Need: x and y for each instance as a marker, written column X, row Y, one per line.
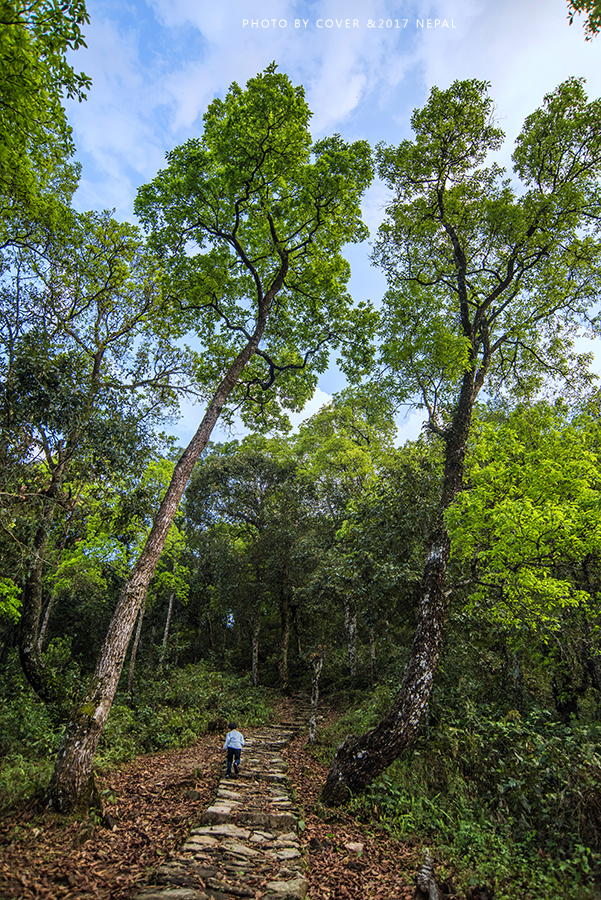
column 441, row 592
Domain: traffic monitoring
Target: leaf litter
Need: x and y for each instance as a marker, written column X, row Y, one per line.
column 150, row 806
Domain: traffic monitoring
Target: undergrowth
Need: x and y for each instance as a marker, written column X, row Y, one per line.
column 508, row 802
column 169, row 711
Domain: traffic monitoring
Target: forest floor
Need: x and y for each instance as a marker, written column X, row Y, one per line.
column 152, row 803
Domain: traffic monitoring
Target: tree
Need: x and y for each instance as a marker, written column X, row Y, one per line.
column 529, row 533
column 254, row 489
column 249, row 221
column 383, row 538
column 35, row 139
column 85, row 373
column 592, row 22
column 487, row 286
column 338, row 450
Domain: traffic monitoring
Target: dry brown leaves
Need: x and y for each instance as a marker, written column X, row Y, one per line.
column 156, row 800
column 382, row 870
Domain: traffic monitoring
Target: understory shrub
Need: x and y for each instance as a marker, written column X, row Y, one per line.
column 514, row 803
column 177, row 708
column 169, row 712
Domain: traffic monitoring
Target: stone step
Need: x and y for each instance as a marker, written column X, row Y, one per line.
column 246, row 837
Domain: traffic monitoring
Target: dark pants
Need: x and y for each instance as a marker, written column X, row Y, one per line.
column 232, row 753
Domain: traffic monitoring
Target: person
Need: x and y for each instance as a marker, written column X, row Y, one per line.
column 234, row 742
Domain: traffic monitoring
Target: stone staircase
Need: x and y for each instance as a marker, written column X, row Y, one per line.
column 246, row 843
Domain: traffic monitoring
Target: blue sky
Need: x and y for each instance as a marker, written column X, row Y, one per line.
column 365, row 66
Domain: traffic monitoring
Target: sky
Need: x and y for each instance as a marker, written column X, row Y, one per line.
column 156, row 65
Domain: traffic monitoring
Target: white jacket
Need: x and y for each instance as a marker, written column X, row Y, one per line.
column 233, row 739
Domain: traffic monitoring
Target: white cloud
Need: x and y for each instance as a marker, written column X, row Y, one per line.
column 524, row 48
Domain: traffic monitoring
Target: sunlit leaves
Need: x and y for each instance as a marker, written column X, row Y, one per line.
column 35, row 139
column 532, row 515
column 488, row 279
column 592, row 21
column 249, row 220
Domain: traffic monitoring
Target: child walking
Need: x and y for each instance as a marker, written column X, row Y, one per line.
column 234, row 742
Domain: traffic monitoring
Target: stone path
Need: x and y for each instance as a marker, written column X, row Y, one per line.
column 246, row 844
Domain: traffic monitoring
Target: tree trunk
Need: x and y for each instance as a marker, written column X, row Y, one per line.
column 132, row 659
column 372, row 656
column 296, row 630
column 256, row 627
column 285, row 641
column 350, row 622
column 316, row 667
column 211, row 635
column 70, row 781
column 41, row 679
column 50, row 604
column 46, row 619
column 166, row 632
column 361, row 759
column 31, row 611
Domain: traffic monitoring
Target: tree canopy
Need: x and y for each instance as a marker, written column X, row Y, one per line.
column 592, row 18
column 35, row 137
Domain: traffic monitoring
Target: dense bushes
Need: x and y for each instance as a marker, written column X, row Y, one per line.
column 170, row 712
column 512, row 802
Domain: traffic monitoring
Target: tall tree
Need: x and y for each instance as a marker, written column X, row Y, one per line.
column 76, row 347
column 249, row 220
column 487, row 286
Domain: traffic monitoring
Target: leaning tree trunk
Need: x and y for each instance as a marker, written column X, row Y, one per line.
column 166, row 632
column 45, row 620
column 73, row 771
column 361, row 759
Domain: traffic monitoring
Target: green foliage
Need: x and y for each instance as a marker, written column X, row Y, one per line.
column 35, row 139
column 592, row 19
column 176, row 710
column 28, row 736
column 172, row 712
column 487, row 283
column 512, row 803
column 249, row 221
column 10, row 600
column 529, row 527
column 360, row 711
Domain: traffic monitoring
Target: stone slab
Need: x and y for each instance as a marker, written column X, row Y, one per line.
column 241, row 849
column 228, row 830
column 295, row 889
